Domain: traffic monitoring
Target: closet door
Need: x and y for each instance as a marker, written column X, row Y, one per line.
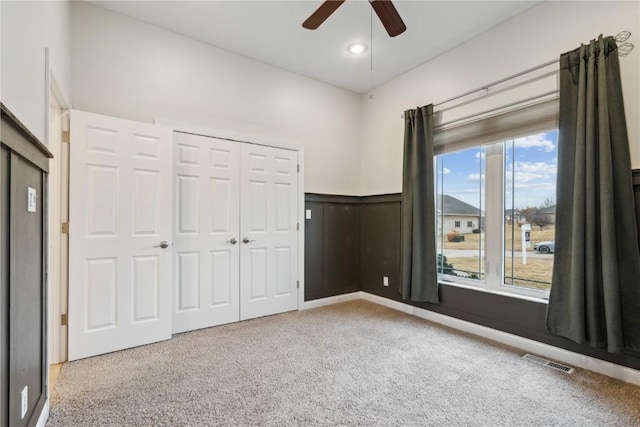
column 269, row 237
column 119, row 222
column 206, row 231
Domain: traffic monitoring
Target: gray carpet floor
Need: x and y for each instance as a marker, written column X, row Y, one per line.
column 354, row 363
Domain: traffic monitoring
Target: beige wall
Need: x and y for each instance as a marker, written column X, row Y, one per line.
column 126, row 68
column 28, row 27
column 534, row 37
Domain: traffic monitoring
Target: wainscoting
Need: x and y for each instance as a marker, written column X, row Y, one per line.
column 351, row 243
column 23, row 193
column 636, row 192
column 332, row 245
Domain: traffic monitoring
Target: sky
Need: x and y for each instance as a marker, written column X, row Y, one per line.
column 531, row 163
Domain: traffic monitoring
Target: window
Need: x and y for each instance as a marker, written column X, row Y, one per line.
column 460, row 191
column 530, row 189
column 505, row 191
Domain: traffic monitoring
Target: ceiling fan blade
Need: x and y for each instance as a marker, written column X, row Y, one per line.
column 321, row 14
column 389, row 17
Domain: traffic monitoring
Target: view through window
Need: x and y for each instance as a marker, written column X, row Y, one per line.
column 512, row 185
column 459, row 201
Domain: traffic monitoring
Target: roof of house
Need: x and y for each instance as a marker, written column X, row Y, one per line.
column 549, row 210
column 451, row 206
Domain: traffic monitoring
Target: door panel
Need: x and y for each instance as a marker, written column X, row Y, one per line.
column 268, row 278
column 146, row 202
column 146, row 288
column 119, row 210
column 207, row 218
column 188, row 281
column 101, row 293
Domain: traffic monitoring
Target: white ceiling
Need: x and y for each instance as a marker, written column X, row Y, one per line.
column 271, row 32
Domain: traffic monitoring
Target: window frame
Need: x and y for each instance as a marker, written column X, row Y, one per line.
column 492, row 133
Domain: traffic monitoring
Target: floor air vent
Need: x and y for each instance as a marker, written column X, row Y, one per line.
column 549, row 363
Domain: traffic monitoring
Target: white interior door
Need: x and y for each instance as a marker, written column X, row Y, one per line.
column 206, row 230
column 119, row 212
column 268, row 224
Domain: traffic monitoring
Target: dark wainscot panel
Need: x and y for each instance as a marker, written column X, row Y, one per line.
column 331, row 246
column 378, row 225
column 636, row 193
column 24, row 164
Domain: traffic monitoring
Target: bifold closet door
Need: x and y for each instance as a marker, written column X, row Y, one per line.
column 235, row 231
column 268, row 228
column 206, row 230
column 119, row 216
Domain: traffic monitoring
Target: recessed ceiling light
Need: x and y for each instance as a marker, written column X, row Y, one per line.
column 357, row 48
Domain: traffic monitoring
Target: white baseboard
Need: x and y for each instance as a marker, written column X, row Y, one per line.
column 574, row 359
column 44, row 415
column 332, row 300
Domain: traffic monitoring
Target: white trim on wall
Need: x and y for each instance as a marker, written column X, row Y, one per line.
column 269, row 142
column 301, row 226
column 56, row 290
column 321, row 302
column 603, row 367
column 53, row 86
column 44, row 415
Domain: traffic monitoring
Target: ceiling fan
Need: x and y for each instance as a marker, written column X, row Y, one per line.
column 385, row 10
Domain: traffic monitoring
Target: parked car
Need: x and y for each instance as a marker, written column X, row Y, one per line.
column 544, row 247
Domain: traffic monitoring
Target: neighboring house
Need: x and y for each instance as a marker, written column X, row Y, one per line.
column 514, row 215
column 457, row 215
column 550, row 213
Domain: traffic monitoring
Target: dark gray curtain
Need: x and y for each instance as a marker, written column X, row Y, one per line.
column 595, row 293
column 419, row 274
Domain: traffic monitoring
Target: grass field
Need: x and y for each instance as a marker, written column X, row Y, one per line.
column 536, row 273
column 472, row 241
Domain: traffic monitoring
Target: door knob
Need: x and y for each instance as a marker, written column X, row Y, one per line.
column 164, row 245
column 246, row 240
column 233, row 241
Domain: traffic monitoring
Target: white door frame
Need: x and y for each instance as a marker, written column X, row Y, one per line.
column 259, row 140
column 58, row 191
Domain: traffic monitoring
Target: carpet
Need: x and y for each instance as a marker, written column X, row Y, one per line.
column 354, row 363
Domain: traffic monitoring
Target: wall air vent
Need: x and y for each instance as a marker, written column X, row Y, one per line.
column 549, row 363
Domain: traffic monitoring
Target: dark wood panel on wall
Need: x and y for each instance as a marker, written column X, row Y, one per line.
column 380, row 243
column 331, row 246
column 378, row 221
column 313, row 251
column 380, row 231
column 341, row 249
column 636, row 191
column 4, row 286
column 22, row 270
column 26, row 292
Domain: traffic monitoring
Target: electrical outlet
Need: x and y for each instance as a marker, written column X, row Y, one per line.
column 308, row 214
column 385, row 281
column 24, row 401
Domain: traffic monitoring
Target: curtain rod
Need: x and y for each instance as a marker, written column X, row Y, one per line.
column 623, row 50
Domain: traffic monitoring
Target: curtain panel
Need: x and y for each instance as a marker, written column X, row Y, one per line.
column 418, row 242
column 595, row 292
